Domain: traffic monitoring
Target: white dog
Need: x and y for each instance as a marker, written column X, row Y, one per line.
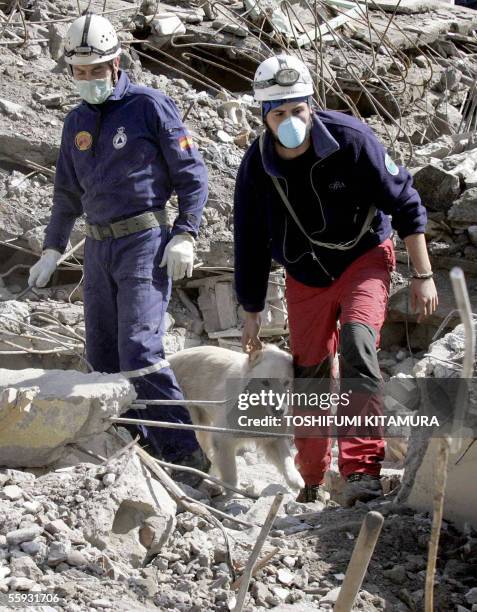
column 202, row 373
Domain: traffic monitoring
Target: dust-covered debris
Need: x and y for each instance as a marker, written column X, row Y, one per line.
column 90, row 526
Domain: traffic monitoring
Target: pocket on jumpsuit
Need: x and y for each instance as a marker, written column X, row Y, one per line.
column 145, row 285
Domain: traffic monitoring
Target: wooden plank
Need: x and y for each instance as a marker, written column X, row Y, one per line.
column 208, row 280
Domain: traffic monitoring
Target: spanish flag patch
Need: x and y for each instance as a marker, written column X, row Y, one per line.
column 186, row 142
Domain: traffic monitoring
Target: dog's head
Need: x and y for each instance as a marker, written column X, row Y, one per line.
column 271, row 369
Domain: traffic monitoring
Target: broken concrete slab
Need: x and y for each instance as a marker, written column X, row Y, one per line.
column 41, row 148
column 230, row 28
column 464, row 210
column 404, row 7
column 56, row 33
column 133, row 517
column 462, row 164
column 437, row 188
column 449, row 80
column 12, row 109
column 439, row 148
column 226, row 305
column 92, row 449
column 12, row 314
column 446, row 121
column 43, row 411
column 442, row 362
column 458, row 507
column 166, row 25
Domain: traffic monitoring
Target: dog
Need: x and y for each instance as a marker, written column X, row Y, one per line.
column 202, row 372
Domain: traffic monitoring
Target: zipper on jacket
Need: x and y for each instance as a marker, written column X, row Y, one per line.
column 317, row 163
column 316, row 194
column 311, row 252
column 315, row 258
column 97, row 130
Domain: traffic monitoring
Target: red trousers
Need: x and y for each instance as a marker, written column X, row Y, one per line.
column 359, row 295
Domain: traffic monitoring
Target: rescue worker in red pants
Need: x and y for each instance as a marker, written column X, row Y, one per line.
column 314, row 193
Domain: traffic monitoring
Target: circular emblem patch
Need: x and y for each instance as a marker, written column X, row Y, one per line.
column 83, row 140
column 391, row 166
column 120, row 138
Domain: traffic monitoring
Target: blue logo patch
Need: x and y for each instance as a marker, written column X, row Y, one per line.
column 391, row 166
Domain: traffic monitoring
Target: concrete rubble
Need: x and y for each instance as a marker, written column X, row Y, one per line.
column 443, row 362
column 223, row 120
column 81, row 517
column 41, row 412
column 107, row 536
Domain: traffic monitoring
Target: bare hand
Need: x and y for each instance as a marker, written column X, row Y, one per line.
column 423, row 297
column 251, row 330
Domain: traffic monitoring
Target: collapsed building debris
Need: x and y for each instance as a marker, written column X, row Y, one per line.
column 442, row 362
column 106, row 535
column 369, row 65
column 82, row 518
column 41, row 412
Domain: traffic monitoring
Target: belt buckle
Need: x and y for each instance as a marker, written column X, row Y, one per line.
column 95, row 232
column 120, row 228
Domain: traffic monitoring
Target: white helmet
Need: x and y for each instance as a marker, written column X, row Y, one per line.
column 281, row 77
column 91, row 39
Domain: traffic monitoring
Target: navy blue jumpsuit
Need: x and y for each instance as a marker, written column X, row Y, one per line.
column 117, row 160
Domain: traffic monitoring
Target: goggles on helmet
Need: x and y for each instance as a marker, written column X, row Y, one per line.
column 285, row 77
column 87, row 50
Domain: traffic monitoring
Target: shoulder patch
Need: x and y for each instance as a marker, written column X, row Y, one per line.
column 186, row 142
column 391, row 165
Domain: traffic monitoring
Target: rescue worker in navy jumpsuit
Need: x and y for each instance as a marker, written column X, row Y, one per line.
column 124, row 150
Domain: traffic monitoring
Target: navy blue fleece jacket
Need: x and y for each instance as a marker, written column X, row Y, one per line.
column 349, row 173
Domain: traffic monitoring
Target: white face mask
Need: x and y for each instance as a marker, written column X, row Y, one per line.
column 95, row 91
column 292, row 132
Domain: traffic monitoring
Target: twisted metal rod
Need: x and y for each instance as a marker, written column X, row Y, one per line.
column 265, row 37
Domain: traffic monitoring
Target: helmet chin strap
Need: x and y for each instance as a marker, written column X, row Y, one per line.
column 114, row 73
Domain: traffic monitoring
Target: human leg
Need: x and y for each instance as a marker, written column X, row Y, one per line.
column 312, row 315
column 143, row 295
column 363, row 301
column 100, row 309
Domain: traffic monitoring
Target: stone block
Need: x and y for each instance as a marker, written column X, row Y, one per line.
column 135, row 516
column 464, row 210
column 226, row 305
column 437, row 188
column 43, row 411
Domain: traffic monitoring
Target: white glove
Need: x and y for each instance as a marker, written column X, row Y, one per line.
column 41, row 272
column 179, row 256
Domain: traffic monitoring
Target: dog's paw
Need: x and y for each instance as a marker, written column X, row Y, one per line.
column 295, row 481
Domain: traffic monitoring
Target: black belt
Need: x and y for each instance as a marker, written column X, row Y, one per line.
column 122, row 228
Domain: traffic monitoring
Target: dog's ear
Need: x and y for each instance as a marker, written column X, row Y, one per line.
column 255, row 357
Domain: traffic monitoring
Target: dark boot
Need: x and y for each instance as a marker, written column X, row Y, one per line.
column 198, row 460
column 310, row 494
column 362, row 487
